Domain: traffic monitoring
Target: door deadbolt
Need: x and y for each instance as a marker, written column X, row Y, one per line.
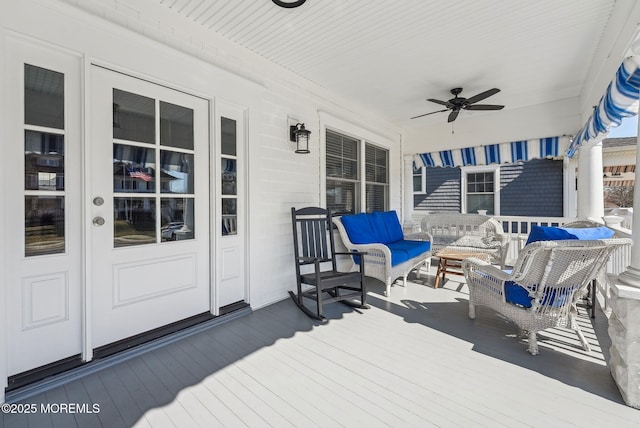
column 98, row 221
column 98, row 201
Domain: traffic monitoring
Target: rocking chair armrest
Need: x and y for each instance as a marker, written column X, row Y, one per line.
column 355, row 253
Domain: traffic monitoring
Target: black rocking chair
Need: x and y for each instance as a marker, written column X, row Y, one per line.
column 311, row 226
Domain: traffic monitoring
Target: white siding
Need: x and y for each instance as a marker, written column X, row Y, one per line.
column 182, row 57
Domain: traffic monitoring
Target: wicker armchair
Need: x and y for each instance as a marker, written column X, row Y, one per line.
column 544, row 285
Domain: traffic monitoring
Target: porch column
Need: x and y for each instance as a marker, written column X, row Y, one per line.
column 407, row 210
column 624, row 323
column 590, row 184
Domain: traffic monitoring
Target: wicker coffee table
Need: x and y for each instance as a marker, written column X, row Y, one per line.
column 451, row 262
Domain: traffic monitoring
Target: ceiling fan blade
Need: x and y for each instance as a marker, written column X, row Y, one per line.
column 427, row 114
column 484, row 107
column 444, row 103
column 453, row 115
column 482, row 95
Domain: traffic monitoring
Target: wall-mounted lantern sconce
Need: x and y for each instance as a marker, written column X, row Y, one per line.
column 299, row 135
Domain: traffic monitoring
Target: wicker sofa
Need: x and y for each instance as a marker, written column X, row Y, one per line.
column 467, row 233
column 388, row 254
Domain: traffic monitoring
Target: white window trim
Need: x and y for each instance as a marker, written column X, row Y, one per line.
column 423, row 183
column 465, row 170
column 364, row 136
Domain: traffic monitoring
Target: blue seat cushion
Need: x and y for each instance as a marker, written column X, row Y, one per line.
column 550, row 233
column 404, row 250
column 518, row 295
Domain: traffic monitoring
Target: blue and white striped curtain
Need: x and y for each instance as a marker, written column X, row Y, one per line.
column 515, row 151
column 619, row 101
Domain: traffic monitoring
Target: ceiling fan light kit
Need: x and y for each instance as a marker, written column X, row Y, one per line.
column 457, row 103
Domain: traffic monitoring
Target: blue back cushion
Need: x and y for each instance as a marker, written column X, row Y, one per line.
column 549, row 233
column 588, row 233
column 386, row 226
column 358, row 228
column 394, row 230
column 376, row 227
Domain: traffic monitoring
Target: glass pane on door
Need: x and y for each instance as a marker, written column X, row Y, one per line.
column 44, row 225
column 134, row 117
column 134, row 221
column 177, row 219
column 176, row 126
column 176, row 172
column 228, row 136
column 43, row 97
column 43, row 161
column 229, row 177
column 229, row 216
column 133, row 169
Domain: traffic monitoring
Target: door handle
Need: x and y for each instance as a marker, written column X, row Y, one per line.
column 98, row 221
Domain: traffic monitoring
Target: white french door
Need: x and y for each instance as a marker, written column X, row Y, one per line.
column 148, row 173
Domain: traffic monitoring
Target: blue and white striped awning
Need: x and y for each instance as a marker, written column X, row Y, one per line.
column 515, row 151
column 619, row 101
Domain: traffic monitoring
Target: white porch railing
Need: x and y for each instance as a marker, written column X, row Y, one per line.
column 517, row 228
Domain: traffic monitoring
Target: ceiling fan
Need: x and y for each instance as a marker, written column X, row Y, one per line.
column 457, row 103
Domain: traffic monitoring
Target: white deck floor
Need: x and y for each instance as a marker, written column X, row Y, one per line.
column 414, row 359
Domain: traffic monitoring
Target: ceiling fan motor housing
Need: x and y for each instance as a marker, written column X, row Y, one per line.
column 457, row 103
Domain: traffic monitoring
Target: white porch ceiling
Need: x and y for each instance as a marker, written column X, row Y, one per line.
column 391, row 55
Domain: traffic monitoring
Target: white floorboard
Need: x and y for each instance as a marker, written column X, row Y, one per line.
column 413, row 359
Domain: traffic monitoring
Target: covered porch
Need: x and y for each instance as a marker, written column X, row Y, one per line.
column 413, row 359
